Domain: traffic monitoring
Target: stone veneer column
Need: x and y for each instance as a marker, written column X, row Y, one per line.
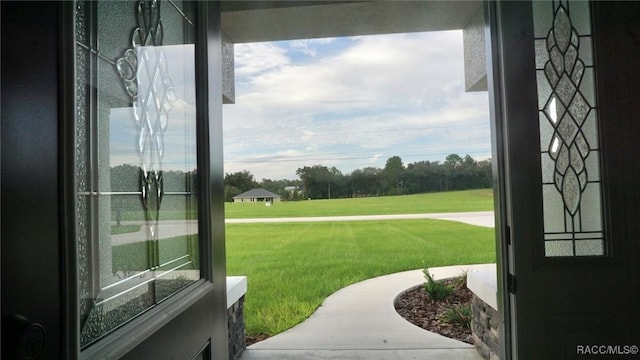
column 484, row 328
column 235, row 325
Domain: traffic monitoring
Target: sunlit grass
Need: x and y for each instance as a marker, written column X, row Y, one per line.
column 453, row 201
column 293, row 267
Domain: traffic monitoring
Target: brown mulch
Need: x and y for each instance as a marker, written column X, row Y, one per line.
column 250, row 340
column 417, row 307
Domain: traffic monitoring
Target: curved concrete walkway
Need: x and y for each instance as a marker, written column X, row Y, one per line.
column 360, row 322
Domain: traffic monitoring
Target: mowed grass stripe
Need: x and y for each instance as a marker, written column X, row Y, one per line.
column 293, row 267
column 453, row 201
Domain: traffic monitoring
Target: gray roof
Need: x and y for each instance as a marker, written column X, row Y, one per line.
column 257, row 193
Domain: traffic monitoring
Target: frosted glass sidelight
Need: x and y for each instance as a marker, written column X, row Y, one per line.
column 589, row 247
column 591, row 216
column 542, row 19
column 544, row 90
column 586, row 52
column 546, row 132
column 547, row 169
column 581, row 18
column 587, row 87
column 558, row 248
column 593, row 162
column 590, row 129
column 542, row 55
column 553, row 210
column 571, row 188
column 136, row 161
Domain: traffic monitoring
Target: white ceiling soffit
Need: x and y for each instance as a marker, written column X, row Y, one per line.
column 256, row 21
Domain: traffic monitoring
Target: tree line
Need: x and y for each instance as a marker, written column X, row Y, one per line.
column 396, row 178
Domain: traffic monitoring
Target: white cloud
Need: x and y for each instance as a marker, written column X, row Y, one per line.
column 309, row 46
column 254, row 59
column 354, row 103
column 304, row 46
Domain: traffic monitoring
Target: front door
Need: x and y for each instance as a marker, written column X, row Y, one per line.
column 567, row 88
column 112, row 218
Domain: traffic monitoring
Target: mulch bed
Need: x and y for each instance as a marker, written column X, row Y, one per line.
column 417, row 307
column 250, row 340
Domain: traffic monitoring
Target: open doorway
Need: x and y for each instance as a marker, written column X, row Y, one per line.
column 388, row 110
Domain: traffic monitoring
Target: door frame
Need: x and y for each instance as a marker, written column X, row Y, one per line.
column 509, row 100
column 494, row 49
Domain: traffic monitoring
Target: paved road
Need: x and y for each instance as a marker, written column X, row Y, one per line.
column 171, row 228
column 478, row 218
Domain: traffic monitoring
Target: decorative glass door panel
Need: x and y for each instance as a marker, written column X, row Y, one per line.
column 565, row 120
column 136, row 164
column 570, row 151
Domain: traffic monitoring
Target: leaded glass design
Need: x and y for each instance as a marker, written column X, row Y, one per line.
column 136, row 160
column 570, row 152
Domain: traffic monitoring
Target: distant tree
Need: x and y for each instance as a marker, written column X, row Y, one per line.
column 275, row 186
column 450, row 171
column 321, row 182
column 423, row 176
column 365, row 182
column 243, row 180
column 317, row 180
column 392, row 175
column 230, row 192
column 467, row 175
column 283, row 188
column 453, row 160
column 339, row 184
column 468, row 161
column 237, row 183
column 484, row 171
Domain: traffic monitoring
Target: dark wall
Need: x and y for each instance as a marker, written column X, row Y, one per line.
column 30, row 234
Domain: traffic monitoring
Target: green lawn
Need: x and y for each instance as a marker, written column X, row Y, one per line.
column 293, row 267
column 453, row 201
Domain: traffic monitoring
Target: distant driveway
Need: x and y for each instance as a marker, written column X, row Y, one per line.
column 478, row 218
column 171, row 228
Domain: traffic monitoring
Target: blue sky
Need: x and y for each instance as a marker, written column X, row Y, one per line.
column 352, row 103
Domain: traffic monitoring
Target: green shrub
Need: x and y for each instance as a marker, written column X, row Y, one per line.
column 460, row 282
column 458, row 314
column 437, row 290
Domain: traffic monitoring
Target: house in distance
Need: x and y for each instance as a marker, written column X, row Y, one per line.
column 257, row 195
